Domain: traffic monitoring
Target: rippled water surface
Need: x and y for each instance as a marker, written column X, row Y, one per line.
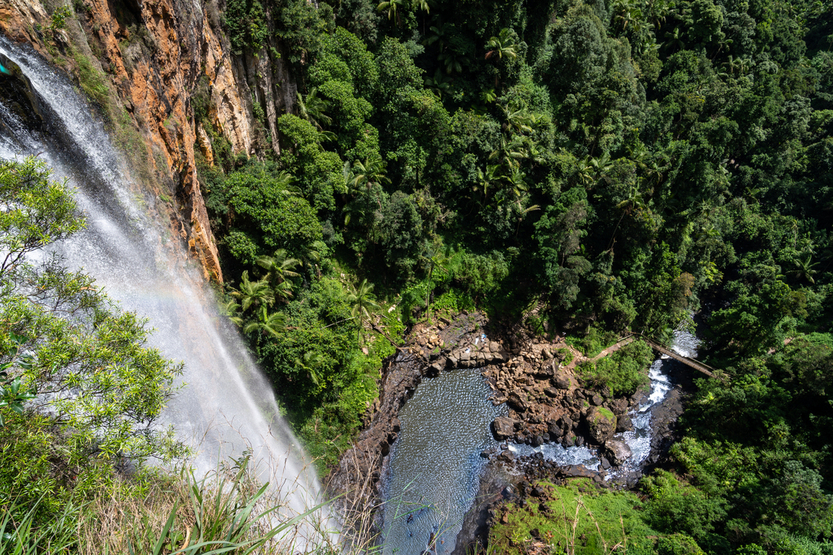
column 436, row 464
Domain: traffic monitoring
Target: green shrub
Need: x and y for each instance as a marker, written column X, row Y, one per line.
column 602, row 520
column 92, row 81
column 675, row 506
column 593, row 342
column 622, row 371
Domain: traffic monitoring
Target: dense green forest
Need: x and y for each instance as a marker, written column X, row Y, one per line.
column 623, row 164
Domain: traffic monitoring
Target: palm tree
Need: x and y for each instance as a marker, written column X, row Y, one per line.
column 628, row 12
column 272, row 324
column 363, row 303
column 675, row 39
column 805, row 268
column 487, row 180
column 509, row 152
column 313, row 109
column 310, row 363
column 311, row 255
column 501, row 45
column 439, row 33
column 517, row 118
column 370, row 172
column 517, row 183
column 253, row 293
column 278, row 267
column 452, row 60
column 440, row 83
column 590, row 171
column 283, row 291
column 633, row 201
column 230, row 310
column 420, row 5
column 523, row 212
column 391, row 7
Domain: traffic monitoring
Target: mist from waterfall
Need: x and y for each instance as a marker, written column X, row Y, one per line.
column 226, row 407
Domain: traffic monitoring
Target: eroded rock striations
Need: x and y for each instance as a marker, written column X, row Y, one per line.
column 157, row 57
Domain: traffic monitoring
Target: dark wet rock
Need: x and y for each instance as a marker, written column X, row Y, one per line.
column 561, row 381
column 516, row 401
column 19, row 95
column 577, row 471
column 617, row 451
column 554, row 430
column 496, row 485
column 537, row 441
column 618, row 406
column 550, row 392
column 601, row 424
column 624, row 424
column 498, row 399
column 544, row 372
column 579, row 441
column 435, row 369
column 569, row 441
column 503, row 428
column 604, row 463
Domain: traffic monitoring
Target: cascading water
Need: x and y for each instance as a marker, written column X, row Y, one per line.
column 638, row 439
column 226, row 407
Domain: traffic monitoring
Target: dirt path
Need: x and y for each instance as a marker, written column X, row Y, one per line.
column 613, row 348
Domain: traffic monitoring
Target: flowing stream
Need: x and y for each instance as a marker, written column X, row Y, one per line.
column 435, row 464
column 638, row 439
column 226, row 407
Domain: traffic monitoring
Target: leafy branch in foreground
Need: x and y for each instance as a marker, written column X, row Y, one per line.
column 61, row 336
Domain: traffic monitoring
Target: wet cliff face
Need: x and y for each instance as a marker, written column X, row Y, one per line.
column 158, row 56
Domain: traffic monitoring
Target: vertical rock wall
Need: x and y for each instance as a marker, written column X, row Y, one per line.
column 154, row 53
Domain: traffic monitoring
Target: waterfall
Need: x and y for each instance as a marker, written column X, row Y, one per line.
column 226, row 407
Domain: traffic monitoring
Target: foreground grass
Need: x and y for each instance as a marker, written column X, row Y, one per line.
column 227, row 511
column 579, row 519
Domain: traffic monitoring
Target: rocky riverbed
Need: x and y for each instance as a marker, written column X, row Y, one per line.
column 547, row 405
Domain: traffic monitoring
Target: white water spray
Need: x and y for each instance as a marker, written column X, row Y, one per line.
column 226, row 407
column 639, row 439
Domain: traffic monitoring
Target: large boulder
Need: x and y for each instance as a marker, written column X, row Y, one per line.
column 517, row 401
column 561, row 381
column 601, row 424
column 617, row 451
column 618, row 406
column 503, row 428
column 554, row 430
column 624, row 423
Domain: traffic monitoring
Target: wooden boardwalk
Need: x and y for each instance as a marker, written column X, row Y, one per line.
column 696, row 364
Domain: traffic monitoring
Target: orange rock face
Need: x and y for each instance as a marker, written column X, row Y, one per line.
column 17, row 19
column 154, row 52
